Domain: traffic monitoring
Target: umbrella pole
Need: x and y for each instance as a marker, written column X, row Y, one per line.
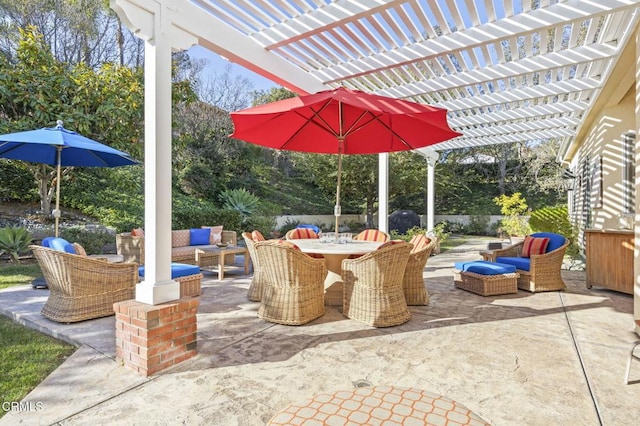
column 56, row 212
column 337, row 208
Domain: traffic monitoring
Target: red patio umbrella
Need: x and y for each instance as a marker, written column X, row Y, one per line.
column 342, row 121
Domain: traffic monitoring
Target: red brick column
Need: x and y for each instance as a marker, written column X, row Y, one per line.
column 150, row 338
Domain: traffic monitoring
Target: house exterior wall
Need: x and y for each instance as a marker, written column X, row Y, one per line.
column 597, row 201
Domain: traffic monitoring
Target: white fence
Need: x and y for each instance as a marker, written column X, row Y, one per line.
column 327, row 221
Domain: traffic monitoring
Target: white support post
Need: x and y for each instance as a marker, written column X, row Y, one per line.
column 430, row 193
column 636, row 252
column 383, row 192
column 157, row 287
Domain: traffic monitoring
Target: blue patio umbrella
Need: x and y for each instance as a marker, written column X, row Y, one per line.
column 60, row 147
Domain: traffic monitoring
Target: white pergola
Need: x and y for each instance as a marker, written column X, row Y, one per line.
column 506, row 70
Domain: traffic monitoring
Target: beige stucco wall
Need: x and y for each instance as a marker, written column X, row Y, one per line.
column 603, row 146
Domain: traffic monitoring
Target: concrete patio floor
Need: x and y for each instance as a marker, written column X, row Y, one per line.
column 555, row 358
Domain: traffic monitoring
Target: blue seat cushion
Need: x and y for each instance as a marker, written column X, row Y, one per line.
column 177, row 270
column 555, row 240
column 46, row 242
column 61, row 244
column 522, row 263
column 484, row 267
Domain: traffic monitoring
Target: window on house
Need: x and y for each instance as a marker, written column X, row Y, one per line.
column 628, row 172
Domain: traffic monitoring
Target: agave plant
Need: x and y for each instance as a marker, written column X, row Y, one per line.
column 13, row 241
column 241, row 200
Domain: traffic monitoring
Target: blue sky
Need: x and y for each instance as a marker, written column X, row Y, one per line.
column 217, row 64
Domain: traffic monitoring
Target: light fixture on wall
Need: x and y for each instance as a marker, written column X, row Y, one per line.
column 568, row 180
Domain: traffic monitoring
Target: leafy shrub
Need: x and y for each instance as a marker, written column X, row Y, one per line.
column 264, row 224
column 440, row 231
column 478, row 225
column 450, row 227
column 14, row 241
column 513, row 207
column 556, row 220
column 92, row 240
column 409, row 234
column 353, row 225
column 240, row 200
column 288, row 225
column 190, row 213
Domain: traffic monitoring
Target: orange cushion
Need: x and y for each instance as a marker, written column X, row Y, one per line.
column 372, row 235
column 79, row 249
column 533, row 246
column 137, row 232
column 257, row 236
column 419, row 242
column 302, row 234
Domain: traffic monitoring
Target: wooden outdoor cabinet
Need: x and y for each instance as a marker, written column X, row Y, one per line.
column 610, row 259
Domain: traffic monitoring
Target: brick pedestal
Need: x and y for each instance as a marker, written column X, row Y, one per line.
column 150, row 338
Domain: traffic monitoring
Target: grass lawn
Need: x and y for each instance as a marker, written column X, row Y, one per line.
column 26, row 356
column 23, row 273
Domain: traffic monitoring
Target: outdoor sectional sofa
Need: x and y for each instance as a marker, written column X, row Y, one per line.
column 184, row 243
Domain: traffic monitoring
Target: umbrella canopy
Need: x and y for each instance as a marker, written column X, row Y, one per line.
column 60, row 147
column 342, row 121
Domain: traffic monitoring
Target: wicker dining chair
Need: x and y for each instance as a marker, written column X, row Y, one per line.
column 82, row 288
column 372, row 235
column 259, row 279
column 372, row 292
column 294, row 291
column 413, row 285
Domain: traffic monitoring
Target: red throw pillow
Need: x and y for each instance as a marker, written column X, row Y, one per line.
column 533, row 246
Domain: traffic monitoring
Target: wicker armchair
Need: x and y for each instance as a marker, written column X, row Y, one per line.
column 415, row 291
column 259, row 279
column 294, row 291
column 83, row 288
column 373, row 286
column 539, row 272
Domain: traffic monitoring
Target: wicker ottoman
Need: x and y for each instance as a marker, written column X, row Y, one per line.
column 486, row 278
column 189, row 277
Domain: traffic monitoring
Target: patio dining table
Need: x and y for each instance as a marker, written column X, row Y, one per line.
column 334, row 254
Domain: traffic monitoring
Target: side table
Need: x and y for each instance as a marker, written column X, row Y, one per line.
column 201, row 255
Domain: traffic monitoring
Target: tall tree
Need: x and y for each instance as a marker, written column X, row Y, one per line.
column 75, row 30
column 103, row 104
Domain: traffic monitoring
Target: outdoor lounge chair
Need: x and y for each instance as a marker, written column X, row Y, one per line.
column 415, row 291
column 83, row 288
column 537, row 272
column 294, row 291
column 372, row 291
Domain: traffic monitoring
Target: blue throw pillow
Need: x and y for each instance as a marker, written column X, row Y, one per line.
column 199, row 236
column 61, row 244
